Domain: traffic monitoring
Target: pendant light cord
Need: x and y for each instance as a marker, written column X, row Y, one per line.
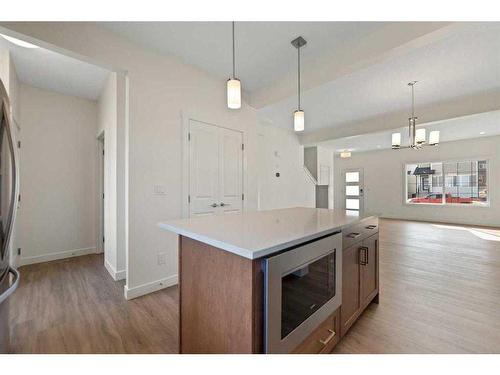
column 298, row 65
column 234, row 58
column 413, row 100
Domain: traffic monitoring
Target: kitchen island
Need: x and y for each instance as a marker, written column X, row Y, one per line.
column 272, row 281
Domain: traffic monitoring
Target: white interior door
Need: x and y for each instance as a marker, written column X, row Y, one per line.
column 215, row 170
column 203, row 169
column 230, row 171
column 353, row 190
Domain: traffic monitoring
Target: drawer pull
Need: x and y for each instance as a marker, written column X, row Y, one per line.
column 329, row 338
column 371, row 227
column 353, row 235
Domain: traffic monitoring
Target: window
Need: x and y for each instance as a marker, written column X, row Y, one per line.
column 457, row 182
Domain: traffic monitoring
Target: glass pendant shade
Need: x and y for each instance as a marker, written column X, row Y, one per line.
column 233, row 93
column 420, row 136
column 434, row 137
column 298, row 121
column 396, row 140
column 345, row 154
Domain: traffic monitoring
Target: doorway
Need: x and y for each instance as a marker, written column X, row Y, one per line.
column 100, row 193
column 215, row 170
column 353, row 190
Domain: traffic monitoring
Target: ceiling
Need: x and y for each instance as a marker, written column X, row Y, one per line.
column 49, row 70
column 464, row 63
column 264, row 54
column 450, row 130
column 350, row 70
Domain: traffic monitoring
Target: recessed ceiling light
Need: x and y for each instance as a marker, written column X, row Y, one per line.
column 482, row 133
column 344, row 155
column 378, row 146
column 18, row 42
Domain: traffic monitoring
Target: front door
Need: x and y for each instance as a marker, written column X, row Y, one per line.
column 353, row 190
column 215, row 170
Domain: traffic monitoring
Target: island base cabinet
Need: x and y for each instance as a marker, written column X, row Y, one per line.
column 360, row 280
column 324, row 338
column 221, row 301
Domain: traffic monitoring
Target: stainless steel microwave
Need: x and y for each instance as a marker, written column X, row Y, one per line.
column 303, row 286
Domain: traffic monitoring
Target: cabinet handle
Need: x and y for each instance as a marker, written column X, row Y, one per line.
column 214, row 205
column 363, row 260
column 329, row 338
column 353, row 235
column 371, row 227
column 224, row 204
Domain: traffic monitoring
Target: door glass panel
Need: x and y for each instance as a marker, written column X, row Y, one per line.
column 352, row 190
column 352, row 204
column 305, row 290
column 352, row 177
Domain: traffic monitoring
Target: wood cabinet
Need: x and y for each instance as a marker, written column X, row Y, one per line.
column 351, row 287
column 222, row 296
column 324, row 338
column 360, row 275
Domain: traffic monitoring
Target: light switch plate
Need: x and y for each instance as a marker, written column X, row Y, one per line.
column 160, row 190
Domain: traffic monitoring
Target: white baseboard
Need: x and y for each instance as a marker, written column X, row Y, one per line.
column 151, row 287
column 116, row 275
column 23, row 261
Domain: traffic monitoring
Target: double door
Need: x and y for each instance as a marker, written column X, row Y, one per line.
column 215, row 170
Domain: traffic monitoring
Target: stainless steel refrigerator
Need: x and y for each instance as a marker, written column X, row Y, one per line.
column 9, row 276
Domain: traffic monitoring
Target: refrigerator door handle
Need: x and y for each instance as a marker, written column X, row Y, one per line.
column 13, row 287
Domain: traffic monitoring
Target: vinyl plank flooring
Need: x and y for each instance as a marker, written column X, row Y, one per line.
column 74, row 306
column 439, row 293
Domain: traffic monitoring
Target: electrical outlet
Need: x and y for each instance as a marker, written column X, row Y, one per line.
column 162, row 258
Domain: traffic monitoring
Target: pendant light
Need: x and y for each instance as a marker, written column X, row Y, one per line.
column 233, row 87
column 298, row 115
column 417, row 136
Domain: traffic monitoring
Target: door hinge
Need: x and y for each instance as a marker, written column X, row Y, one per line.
column 18, row 251
column 189, row 198
column 242, row 197
column 103, row 239
column 189, row 136
column 243, row 146
column 19, row 198
column 18, row 144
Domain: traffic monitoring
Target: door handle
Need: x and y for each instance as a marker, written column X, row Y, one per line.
column 363, row 260
column 214, row 205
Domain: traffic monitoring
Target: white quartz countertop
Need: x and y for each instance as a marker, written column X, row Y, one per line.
column 259, row 233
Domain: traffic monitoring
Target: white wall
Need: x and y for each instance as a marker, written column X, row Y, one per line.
column 384, row 181
column 57, row 213
column 107, row 120
column 161, row 92
column 280, row 152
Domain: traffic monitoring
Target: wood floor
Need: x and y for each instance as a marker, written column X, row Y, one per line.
column 74, row 306
column 439, row 293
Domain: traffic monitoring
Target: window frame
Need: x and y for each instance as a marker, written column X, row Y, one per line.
column 486, row 204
